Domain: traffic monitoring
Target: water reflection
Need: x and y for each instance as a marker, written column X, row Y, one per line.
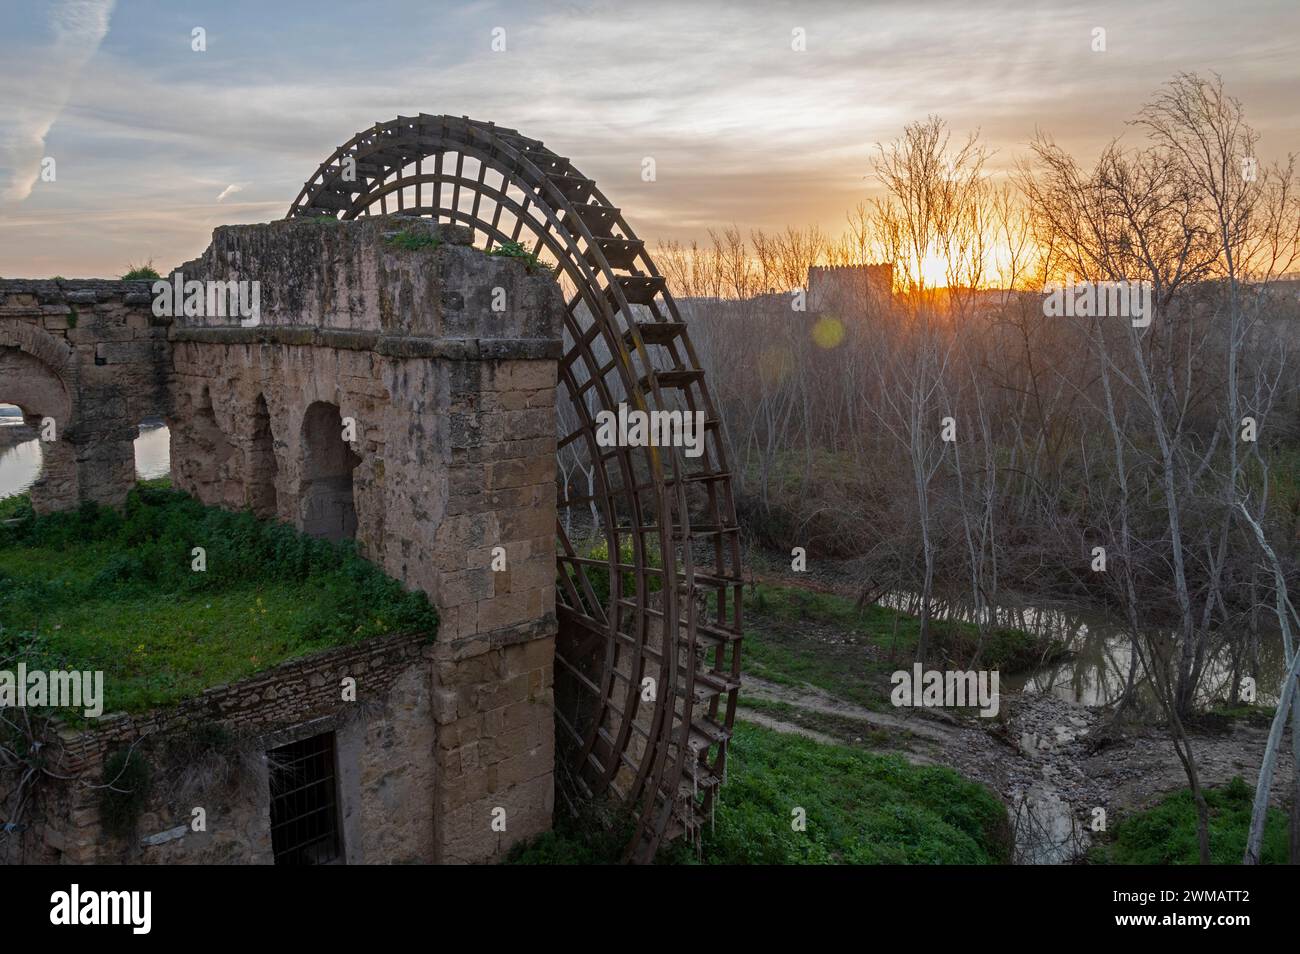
column 1100, row 654
column 20, row 461
column 20, row 465
column 153, row 450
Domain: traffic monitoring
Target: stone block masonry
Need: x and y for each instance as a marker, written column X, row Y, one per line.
column 386, row 737
column 398, row 389
column 88, row 355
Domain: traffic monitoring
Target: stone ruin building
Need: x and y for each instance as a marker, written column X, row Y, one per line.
column 415, row 396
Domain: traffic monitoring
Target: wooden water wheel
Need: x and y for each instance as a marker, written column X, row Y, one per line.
column 648, row 588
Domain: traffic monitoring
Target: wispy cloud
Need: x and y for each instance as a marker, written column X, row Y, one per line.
column 743, row 128
column 78, row 26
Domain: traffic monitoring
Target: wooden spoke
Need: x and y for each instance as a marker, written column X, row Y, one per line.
column 648, row 584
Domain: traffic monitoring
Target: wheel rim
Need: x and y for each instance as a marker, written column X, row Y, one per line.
column 664, row 602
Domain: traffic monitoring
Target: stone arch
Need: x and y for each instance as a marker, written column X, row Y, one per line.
column 37, row 373
column 54, row 353
column 326, row 498
column 30, row 384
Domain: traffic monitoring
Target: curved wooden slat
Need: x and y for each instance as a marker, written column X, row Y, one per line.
column 663, row 753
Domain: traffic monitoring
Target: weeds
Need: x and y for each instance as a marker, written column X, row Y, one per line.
column 141, row 272
column 1166, row 833
column 517, row 250
column 98, row 589
column 412, row 240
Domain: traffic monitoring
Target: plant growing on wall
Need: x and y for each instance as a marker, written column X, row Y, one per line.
column 126, row 786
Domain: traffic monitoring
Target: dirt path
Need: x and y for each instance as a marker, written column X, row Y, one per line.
column 812, row 699
column 789, row 728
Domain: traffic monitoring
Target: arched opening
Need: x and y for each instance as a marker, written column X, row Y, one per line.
column 35, row 456
column 153, row 451
column 328, row 508
column 20, row 452
column 262, row 467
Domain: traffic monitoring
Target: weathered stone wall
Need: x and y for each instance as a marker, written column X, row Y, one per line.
column 385, row 756
column 453, row 403
column 443, row 360
column 425, row 754
column 454, row 410
column 496, row 746
column 90, row 355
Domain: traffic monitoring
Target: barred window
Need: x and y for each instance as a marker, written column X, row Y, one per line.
column 304, row 804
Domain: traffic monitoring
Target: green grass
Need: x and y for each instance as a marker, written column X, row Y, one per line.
column 860, row 809
column 1283, row 482
column 1004, row 647
column 592, row 838
column 788, row 468
column 16, row 506
column 795, row 636
column 1222, row 715
column 100, row 590
column 793, row 658
column 843, row 728
column 598, row 576
column 1166, row 833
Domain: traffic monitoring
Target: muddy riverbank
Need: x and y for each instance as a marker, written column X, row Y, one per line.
column 1043, row 753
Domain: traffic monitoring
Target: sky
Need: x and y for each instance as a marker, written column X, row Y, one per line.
column 155, row 143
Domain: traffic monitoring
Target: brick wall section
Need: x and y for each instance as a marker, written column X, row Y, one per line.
column 442, row 741
column 285, row 695
column 392, row 683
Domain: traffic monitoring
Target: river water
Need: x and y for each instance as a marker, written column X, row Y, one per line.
column 1099, row 654
column 20, row 462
